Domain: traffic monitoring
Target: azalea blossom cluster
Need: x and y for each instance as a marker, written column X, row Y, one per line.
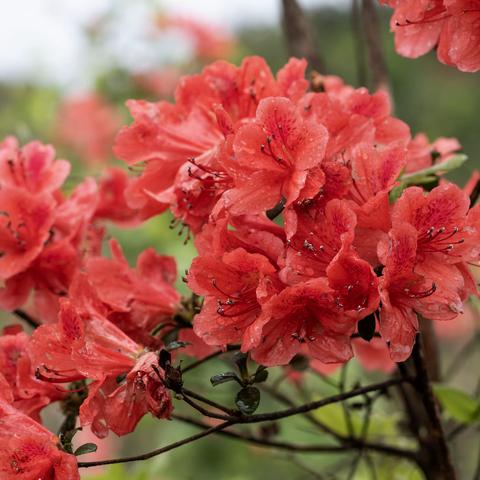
column 97, row 313
column 450, row 26
column 240, row 146
column 309, row 240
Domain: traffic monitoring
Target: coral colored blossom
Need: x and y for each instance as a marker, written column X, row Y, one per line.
column 452, row 26
column 29, row 451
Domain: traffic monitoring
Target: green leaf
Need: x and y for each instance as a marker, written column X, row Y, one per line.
column 427, row 175
column 439, row 168
column 85, row 448
column 248, row 399
column 224, row 378
column 458, row 404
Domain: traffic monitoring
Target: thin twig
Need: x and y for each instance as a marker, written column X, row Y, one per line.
column 159, row 451
column 27, row 318
column 204, row 411
column 207, row 401
column 475, row 194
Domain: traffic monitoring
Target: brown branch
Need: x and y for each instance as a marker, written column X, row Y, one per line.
column 159, row 451
column 378, row 65
column 308, row 407
column 27, row 318
column 299, row 35
column 269, row 417
column 435, row 455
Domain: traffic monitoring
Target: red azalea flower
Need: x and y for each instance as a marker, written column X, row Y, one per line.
column 28, row 450
column 353, row 116
column 306, row 313
column 60, row 245
column 321, row 313
column 234, row 287
column 136, row 300
column 253, row 233
column 452, row 25
column 446, row 231
column 209, row 107
column 88, row 124
column 372, row 356
column 374, row 173
column 406, row 289
column 112, row 204
column 29, row 395
column 25, row 223
column 275, row 154
column 319, row 234
column 32, row 167
column 124, row 385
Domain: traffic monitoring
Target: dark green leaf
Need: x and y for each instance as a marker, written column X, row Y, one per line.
column 260, row 375
column 85, row 448
column 300, row 363
column 164, row 358
column 240, row 360
column 248, row 399
column 224, row 377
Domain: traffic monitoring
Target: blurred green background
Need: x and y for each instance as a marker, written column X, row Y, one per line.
column 430, row 97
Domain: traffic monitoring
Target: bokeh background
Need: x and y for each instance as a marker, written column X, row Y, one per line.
column 66, row 69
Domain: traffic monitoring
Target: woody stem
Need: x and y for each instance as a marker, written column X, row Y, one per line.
column 378, row 64
column 434, row 455
column 299, row 35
